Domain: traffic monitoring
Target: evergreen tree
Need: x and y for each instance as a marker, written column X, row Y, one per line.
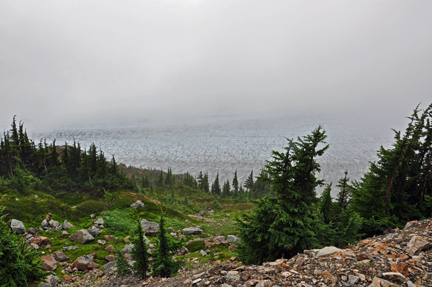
column 18, row 264
column 140, row 253
column 249, row 181
column 216, row 189
column 344, row 195
column 326, row 204
column 123, row 267
column 226, row 190
column 283, row 223
column 235, row 184
column 200, row 181
column 164, row 264
column 205, row 183
column 160, row 182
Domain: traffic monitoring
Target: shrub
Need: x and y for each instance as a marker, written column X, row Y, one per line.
column 119, row 221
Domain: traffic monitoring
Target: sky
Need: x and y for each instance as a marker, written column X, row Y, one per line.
column 69, row 62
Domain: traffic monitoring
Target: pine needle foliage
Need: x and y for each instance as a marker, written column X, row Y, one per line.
column 18, row 264
column 164, row 264
column 282, row 224
column 140, row 253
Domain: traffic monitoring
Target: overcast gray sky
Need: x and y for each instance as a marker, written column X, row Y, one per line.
column 68, row 61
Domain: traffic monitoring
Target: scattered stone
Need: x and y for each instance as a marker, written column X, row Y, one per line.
column 232, row 238
column 110, row 258
column 93, row 232
column 203, row 253
column 65, row 234
column 66, row 225
column 233, row 275
column 49, row 263
column 137, row 204
column 328, row 250
column 92, row 216
column 110, row 248
column 60, row 256
column 150, row 228
column 394, row 277
column 81, row 236
column 417, row 243
column 101, row 242
column 108, row 238
column 127, row 248
column 100, row 221
column 17, row 226
column 191, row 231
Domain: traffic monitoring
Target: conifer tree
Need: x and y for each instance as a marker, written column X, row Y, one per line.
column 226, row 189
column 326, row 204
column 249, row 182
column 216, row 189
column 235, row 184
column 140, row 253
column 164, row 264
column 283, row 224
column 205, row 183
column 344, row 195
column 18, row 264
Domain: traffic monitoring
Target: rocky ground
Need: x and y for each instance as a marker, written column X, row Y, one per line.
column 398, row 258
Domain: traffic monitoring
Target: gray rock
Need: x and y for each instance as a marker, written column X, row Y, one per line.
column 92, row 216
column 191, row 231
column 16, row 198
column 149, row 227
column 71, row 248
column 127, row 248
column 81, row 236
column 58, row 228
column 203, row 253
column 53, row 280
column 202, row 213
column 232, row 238
column 65, row 234
column 54, row 223
column 146, row 239
column 94, row 232
column 108, row 267
column 28, row 236
column 17, row 226
column 353, row 279
column 44, row 223
column 208, row 251
column 35, row 246
column 223, row 272
column 137, row 204
column 66, row 225
column 328, row 250
column 173, row 234
column 187, row 221
column 36, row 197
column 100, row 221
column 60, row 256
column 170, row 229
column 233, row 275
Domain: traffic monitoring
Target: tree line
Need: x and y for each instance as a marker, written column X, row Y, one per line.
column 25, row 164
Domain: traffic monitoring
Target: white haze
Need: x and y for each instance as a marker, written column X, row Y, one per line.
column 71, row 62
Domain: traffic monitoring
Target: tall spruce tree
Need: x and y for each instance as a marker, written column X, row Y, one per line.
column 140, row 253
column 283, row 224
column 163, row 263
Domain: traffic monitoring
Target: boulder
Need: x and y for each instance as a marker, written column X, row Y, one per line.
column 107, row 268
column 232, row 238
column 127, row 248
column 101, row 242
column 110, row 258
column 328, row 250
column 54, row 223
column 66, row 225
column 17, row 226
column 137, row 204
column 149, row 227
column 94, row 232
column 81, row 236
column 60, row 256
column 417, row 243
column 100, row 221
column 65, row 234
column 110, row 248
column 49, row 263
column 191, row 231
column 203, row 253
column 44, row 223
column 81, row 264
